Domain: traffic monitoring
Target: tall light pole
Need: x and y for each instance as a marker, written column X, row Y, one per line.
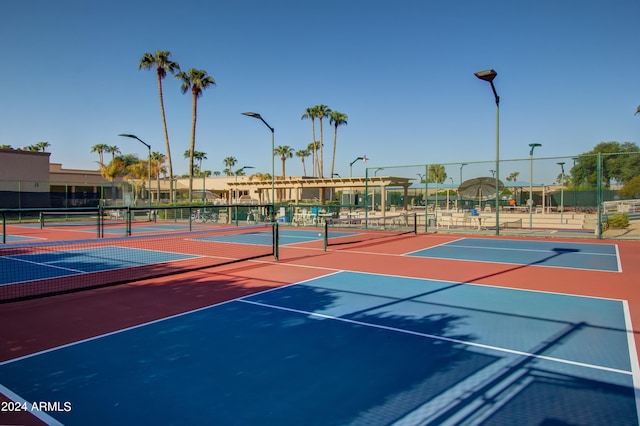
column 530, row 201
column 364, row 160
column 236, row 173
column 573, row 172
column 148, row 165
column 459, row 198
column 273, row 200
column 488, row 76
column 561, row 164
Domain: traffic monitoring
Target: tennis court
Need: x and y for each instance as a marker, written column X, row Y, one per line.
column 557, row 253
column 373, row 332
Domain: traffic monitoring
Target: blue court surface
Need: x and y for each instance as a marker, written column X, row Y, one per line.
column 264, row 238
column 52, row 264
column 556, row 253
column 21, row 238
column 351, row 348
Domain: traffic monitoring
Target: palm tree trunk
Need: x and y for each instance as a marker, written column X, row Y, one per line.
column 166, row 138
column 313, row 131
column 333, row 155
column 193, row 144
column 320, row 165
column 304, row 167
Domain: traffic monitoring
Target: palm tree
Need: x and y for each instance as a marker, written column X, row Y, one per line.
column 163, row 64
column 111, row 171
column 337, row 119
column 284, row 151
column 5, row 146
column 113, row 150
column 198, row 81
column 33, row 148
column 313, row 148
column 513, row 177
column 302, row 153
column 157, row 167
column 199, row 155
column 229, row 162
column 311, row 114
column 322, row 111
column 100, row 148
column 42, row 145
column 638, row 110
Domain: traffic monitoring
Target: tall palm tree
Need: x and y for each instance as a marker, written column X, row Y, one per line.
column 301, row 154
column 163, row 65
column 100, row 148
column 322, row 111
column 311, row 114
column 229, row 162
column 198, row 81
column 337, row 119
column 638, row 110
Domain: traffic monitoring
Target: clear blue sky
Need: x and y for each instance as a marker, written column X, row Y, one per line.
column 568, row 77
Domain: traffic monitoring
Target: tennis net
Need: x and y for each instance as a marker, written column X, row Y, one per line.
column 45, row 268
column 338, row 231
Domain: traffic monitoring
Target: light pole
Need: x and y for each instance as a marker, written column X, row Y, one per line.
column 364, row 160
column 530, row 201
column 148, row 165
column 561, row 164
column 273, row 200
column 488, row 76
column 236, row 173
column 459, row 198
column 573, row 172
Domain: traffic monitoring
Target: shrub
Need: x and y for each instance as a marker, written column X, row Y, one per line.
column 620, row 220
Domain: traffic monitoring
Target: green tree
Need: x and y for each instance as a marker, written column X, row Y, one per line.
column 284, row 152
column 5, row 146
column 337, row 119
column 302, row 154
column 229, row 162
column 620, row 162
column 436, row 173
column 197, row 81
column 631, row 188
column 162, row 64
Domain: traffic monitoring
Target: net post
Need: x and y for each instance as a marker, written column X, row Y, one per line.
column 128, row 222
column 99, row 221
column 4, row 227
column 190, row 218
column 325, row 233
column 415, row 223
column 41, row 220
column 276, row 240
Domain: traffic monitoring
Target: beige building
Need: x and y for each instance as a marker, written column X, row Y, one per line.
column 27, row 180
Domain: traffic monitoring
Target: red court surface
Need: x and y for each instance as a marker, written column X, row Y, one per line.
column 35, row 325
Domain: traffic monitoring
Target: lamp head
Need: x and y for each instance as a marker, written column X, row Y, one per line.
column 487, row 75
column 252, row 114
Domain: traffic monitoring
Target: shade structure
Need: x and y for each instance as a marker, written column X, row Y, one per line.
column 480, row 188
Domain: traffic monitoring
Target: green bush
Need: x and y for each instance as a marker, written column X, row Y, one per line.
column 619, row 220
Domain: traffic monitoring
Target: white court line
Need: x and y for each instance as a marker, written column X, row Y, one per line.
column 442, row 338
column 519, row 249
column 41, row 415
column 633, row 356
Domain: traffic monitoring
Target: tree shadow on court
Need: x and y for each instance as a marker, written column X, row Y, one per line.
column 346, row 371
